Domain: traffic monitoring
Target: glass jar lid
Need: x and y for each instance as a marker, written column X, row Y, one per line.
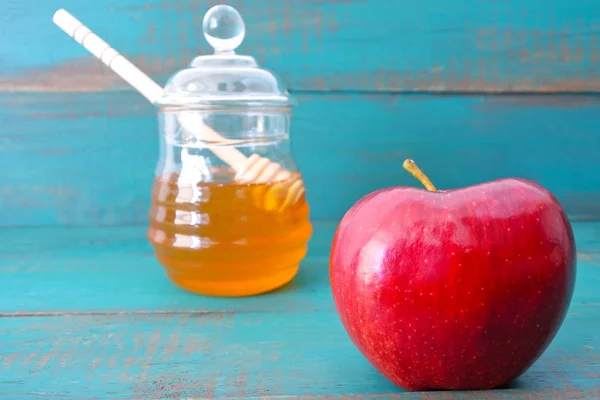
column 225, row 78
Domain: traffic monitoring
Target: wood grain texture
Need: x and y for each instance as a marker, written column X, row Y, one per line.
column 315, row 45
column 86, row 314
column 88, row 159
column 112, row 270
column 248, row 355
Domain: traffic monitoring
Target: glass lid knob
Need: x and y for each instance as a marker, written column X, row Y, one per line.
column 223, row 28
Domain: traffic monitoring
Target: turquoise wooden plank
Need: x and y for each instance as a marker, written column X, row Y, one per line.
column 588, row 237
column 430, row 45
column 246, row 355
column 112, row 270
column 88, row 159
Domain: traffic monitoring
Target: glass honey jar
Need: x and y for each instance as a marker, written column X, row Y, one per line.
column 228, row 214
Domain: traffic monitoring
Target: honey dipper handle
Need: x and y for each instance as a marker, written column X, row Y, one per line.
column 109, row 56
column 193, row 123
column 142, row 83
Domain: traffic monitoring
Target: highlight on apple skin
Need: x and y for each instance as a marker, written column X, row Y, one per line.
column 458, row 290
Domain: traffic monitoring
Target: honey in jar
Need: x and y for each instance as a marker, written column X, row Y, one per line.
column 218, row 238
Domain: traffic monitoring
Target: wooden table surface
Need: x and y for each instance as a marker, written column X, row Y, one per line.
column 472, row 90
column 88, row 313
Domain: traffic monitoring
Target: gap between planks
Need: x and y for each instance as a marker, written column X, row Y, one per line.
column 29, row 314
column 498, row 92
column 116, row 313
column 588, row 257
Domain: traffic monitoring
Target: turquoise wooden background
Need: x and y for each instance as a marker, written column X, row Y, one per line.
column 472, row 90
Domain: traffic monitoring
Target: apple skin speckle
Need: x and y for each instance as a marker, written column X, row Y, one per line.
column 499, row 277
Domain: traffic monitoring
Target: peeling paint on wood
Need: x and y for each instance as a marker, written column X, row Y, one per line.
column 591, row 259
column 535, row 46
column 156, row 341
column 267, row 355
column 88, row 312
column 85, row 74
column 80, row 75
column 89, row 159
column 547, row 101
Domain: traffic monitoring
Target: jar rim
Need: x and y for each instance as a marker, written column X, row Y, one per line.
column 225, row 106
column 226, row 100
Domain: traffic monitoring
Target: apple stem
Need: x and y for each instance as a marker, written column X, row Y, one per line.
column 415, row 171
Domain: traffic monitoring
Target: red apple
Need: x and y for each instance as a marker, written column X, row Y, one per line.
column 457, row 290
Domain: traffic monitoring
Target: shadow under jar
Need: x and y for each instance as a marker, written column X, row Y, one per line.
column 228, row 212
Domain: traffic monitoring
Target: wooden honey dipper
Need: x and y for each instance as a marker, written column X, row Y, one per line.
column 289, row 187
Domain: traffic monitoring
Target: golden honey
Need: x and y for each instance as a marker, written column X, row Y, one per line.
column 222, row 238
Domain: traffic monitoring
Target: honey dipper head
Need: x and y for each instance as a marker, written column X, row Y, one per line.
column 286, row 189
